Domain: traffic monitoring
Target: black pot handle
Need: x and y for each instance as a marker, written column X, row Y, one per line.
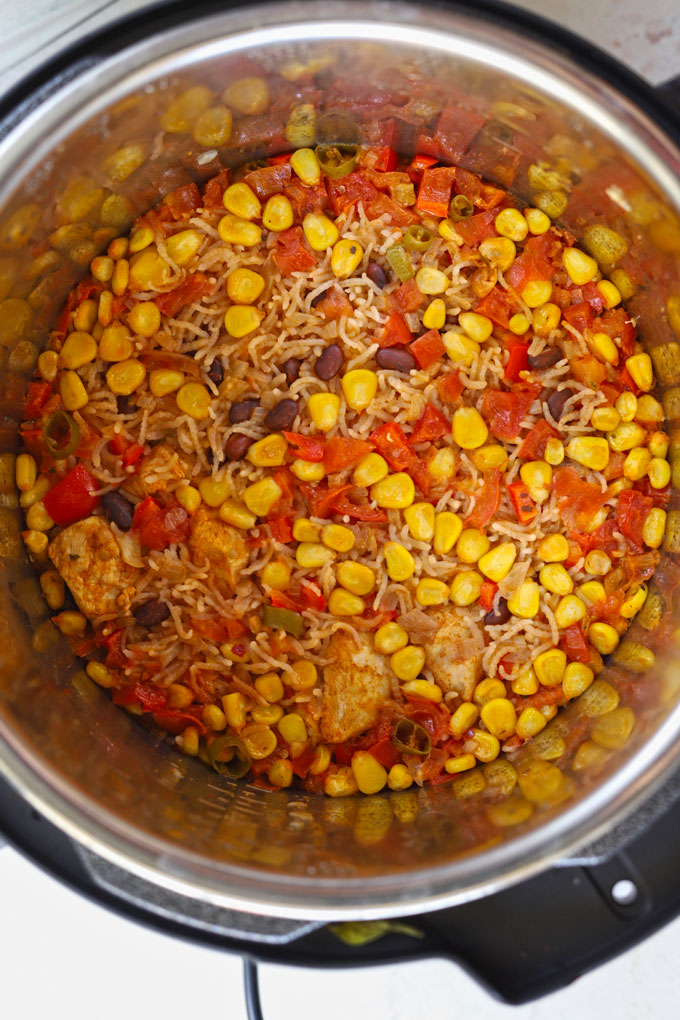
column 251, row 988
column 670, row 91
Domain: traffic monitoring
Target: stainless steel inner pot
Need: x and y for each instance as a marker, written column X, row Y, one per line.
column 121, row 790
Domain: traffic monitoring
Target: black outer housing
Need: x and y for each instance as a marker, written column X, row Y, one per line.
column 523, row 942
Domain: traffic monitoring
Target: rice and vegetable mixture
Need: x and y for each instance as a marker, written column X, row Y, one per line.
column 347, row 469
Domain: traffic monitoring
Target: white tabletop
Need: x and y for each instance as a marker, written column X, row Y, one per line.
column 64, row 957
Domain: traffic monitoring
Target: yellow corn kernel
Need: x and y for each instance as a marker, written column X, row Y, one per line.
column 487, row 690
column 188, row 497
column 261, row 496
column 305, row 531
column 510, row 223
column 654, row 528
column 420, row 520
column 184, row 111
column 423, row 689
column 268, row 452
column 390, row 638
column 140, row 239
column 321, row 233
column 461, row 348
column 471, row 545
column 613, row 729
column 431, row 592
column 593, row 591
column 249, row 96
column 103, row 676
column 400, row 563
column 359, row 387
column 234, row 513
column 84, row 317
column 597, row 562
column 213, row 717
column 634, row 602
column 513, row 811
column 101, row 268
column 306, row 166
column 244, row 286
column 577, row 678
column 605, row 418
column 337, row 537
column 323, row 410
column 268, row 715
column 121, row 277
column 486, row 458
column 346, row 258
column 70, row 623
column 304, row 675
column 604, row 348
column 407, row 662
column 183, row 246
column 240, row 200
column 434, row 316
column 658, row 444
column 466, row 587
column 33, row 495
column 591, row 451
column 276, row 575
column 144, row 319
column 659, row 473
column 518, row 324
column 640, row 368
column 148, row 270
column 478, row 327
column 499, row 717
column 553, row 549
column 234, row 706
column 462, row 763
column 530, row 722
column 215, row 490
column 369, row 774
column 163, row 381
column 340, row 783
column 188, row 741
column 581, row 268
column 447, row 531
column 307, row 470
column 399, row 777
column 649, row 410
column 280, row 774
column 105, row 308
column 36, row 542
column 193, row 398
column 526, row 682
column 442, row 464
column 320, row 761
column 79, row 349
column 537, row 476
column 26, row 472
column 292, row 728
column 570, row 609
column 53, row 588
column 554, row 451
column 556, row 579
column 627, row 407
column 463, row 719
column 73, row 393
column 371, row 469
column 525, row 601
column 259, row 740
column 537, row 293
column 124, row 377
column 537, row 220
column 235, row 651
column 277, row 213
column 237, row 230
column 610, row 293
column 213, row 128
column 395, row 492
column 545, row 319
column 603, row 637
column 487, row 746
column 431, row 281
column 270, row 686
column 469, row 428
column 636, row 463
column 499, row 251
column 497, row 563
column 47, row 365
column 240, row 320
column 550, row 666
column 312, row 555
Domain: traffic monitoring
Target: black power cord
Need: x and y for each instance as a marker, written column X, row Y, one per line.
column 251, row 986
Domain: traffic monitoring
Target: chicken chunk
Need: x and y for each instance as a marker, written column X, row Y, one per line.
column 222, row 546
column 158, row 470
column 356, row 685
column 89, row 559
column 451, row 654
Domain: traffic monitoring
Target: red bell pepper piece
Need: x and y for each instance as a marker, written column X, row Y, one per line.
column 73, row 497
column 342, row 453
column 580, row 316
column 430, row 426
column 487, row 502
column 498, row 305
column 428, row 349
column 151, row 698
column 302, row 763
column 535, row 442
column 312, row 596
column 283, row 157
column 574, row 643
column 406, row 298
column 191, row 290
column 487, row 594
column 476, row 228
column 290, row 253
column 174, row 720
column 281, row 528
column 132, row 454
column 434, row 193
column 394, row 332
column 306, row 447
column 504, row 412
column 517, row 362
column 283, row 600
column 382, row 158
column 385, row 752
column 449, row 387
column 522, row 503
column 419, row 164
column 38, row 395
column 390, row 441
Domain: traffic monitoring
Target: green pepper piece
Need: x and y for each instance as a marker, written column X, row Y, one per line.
column 362, row 933
column 238, row 766
column 337, row 160
column 283, row 619
column 397, row 256
column 460, row 208
column 417, row 238
column 412, row 738
column 61, row 435
column 335, row 126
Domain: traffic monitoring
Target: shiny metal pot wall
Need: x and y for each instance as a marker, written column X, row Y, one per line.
column 75, row 168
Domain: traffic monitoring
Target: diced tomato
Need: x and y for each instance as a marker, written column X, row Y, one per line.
column 312, row 596
column 522, row 503
column 426, row 145
column 580, row 316
column 418, row 165
column 592, row 295
column 434, row 193
column 282, row 157
column 406, row 298
column 214, row 190
column 504, row 412
column 382, row 158
column 323, row 502
column 385, row 752
column 449, row 387
column 528, row 268
column 61, row 325
column 334, row 304
column 517, row 362
column 574, row 643
column 193, row 288
column 306, row 447
column 455, row 130
column 430, row 426
column 291, row 254
column 302, row 763
column 487, row 501
column 477, row 227
column 269, row 180
column 395, row 331
column 174, row 720
column 306, row 199
column 213, row 629
column 348, row 191
column 151, row 699
column 589, row 371
column 632, row 513
column 533, row 446
column 36, row 398
column 281, row 528
column 578, row 501
column 428, row 349
column 132, row 454
column 73, row 497
column 396, row 213
column 616, row 324
column 181, row 203
column 160, row 526
column 498, row 306
column 487, row 595
column 433, row 718
column 626, row 381
column 390, row 441
column 342, row 452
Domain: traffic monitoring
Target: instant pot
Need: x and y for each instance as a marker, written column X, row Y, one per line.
column 108, row 805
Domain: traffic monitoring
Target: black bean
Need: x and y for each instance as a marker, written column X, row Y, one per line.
column 237, row 446
column 396, row 358
column 216, row 372
column 556, row 402
column 496, row 619
column 329, row 363
column 125, row 405
column 118, row 509
column 151, row 613
column 377, row 274
column 546, row 359
column 291, row 369
column 282, row 415
column 243, row 410
column 212, row 457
